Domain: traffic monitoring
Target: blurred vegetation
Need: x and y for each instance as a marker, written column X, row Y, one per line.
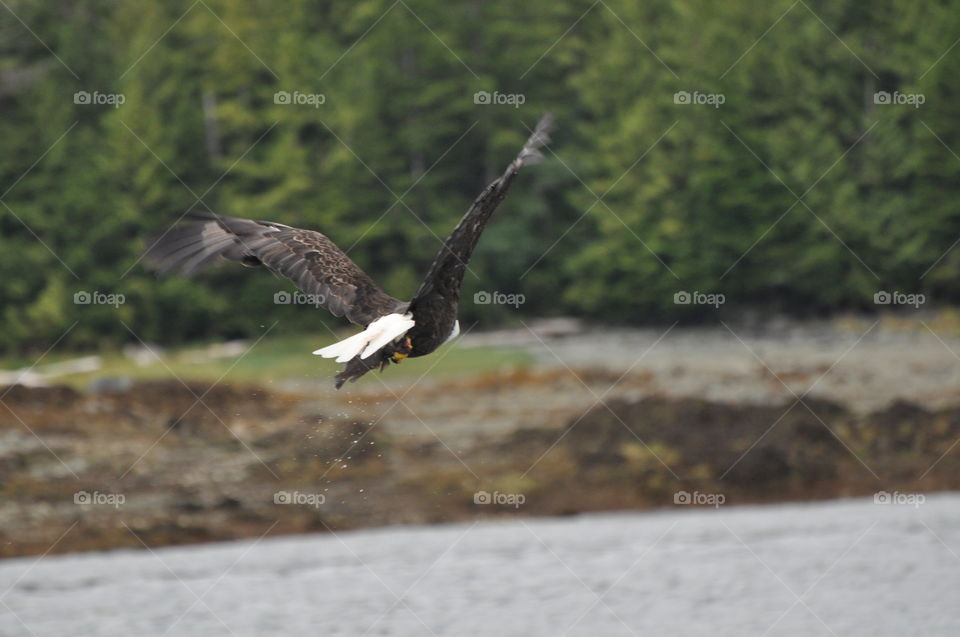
column 688, row 191
column 287, row 357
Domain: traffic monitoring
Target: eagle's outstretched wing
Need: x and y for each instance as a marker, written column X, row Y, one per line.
column 442, row 283
column 309, row 259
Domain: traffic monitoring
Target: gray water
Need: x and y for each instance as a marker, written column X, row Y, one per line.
column 841, row 568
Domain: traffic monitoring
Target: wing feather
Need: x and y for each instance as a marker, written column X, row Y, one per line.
column 443, row 280
column 308, row 258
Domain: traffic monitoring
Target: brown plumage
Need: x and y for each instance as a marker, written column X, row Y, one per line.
column 308, row 258
column 318, row 267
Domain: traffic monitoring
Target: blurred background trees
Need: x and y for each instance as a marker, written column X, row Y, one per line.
column 798, row 193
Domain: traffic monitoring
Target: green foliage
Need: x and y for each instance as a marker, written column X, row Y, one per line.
column 691, row 197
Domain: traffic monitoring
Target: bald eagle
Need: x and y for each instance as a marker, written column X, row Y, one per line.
column 393, row 329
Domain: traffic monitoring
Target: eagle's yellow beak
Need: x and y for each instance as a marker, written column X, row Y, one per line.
column 398, row 357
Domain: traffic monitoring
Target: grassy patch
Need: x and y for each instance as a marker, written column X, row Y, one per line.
column 280, row 358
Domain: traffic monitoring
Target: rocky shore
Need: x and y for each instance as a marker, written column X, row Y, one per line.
column 163, row 463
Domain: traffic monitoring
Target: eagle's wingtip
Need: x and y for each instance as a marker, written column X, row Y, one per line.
column 531, row 152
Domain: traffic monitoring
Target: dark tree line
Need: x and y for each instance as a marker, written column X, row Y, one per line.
column 794, row 156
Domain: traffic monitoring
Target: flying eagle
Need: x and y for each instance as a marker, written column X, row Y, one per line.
column 394, row 329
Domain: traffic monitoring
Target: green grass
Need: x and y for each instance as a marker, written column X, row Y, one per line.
column 282, row 358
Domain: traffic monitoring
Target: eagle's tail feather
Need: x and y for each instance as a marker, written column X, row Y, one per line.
column 376, row 336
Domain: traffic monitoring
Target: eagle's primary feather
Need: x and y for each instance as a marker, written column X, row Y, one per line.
column 320, row 269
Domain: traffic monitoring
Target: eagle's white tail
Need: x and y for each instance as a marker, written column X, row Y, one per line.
column 378, row 333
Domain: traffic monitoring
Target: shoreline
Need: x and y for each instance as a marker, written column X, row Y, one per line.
column 214, row 474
